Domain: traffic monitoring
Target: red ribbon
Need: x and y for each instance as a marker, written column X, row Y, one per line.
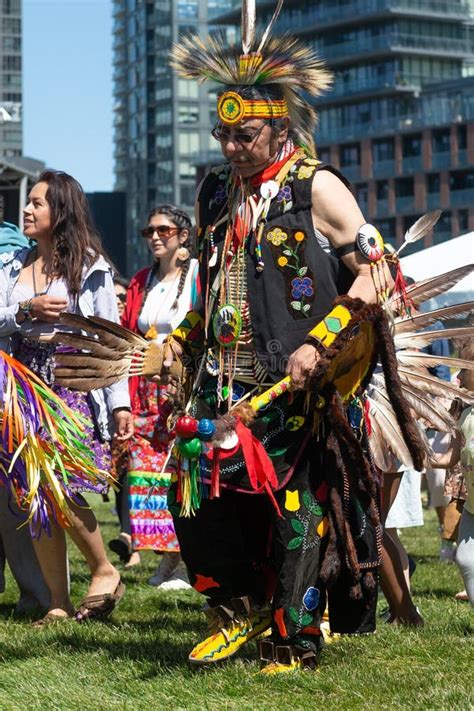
column 270, row 172
column 258, row 464
column 215, row 471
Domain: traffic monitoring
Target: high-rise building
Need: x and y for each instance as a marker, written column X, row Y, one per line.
column 10, row 79
column 161, row 121
column 399, row 119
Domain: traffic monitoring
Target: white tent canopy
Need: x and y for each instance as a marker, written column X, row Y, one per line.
column 441, row 258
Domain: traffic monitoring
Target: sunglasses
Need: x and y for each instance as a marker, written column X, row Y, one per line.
column 163, row 231
column 122, row 298
column 242, row 137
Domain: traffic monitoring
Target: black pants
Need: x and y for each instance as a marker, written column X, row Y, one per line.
column 238, row 545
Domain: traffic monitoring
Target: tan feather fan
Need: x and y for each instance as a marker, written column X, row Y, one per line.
column 378, row 447
column 99, row 366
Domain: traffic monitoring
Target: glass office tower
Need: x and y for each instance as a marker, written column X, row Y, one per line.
column 10, row 79
column 161, row 122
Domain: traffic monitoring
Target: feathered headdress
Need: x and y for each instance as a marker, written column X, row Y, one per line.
column 283, row 62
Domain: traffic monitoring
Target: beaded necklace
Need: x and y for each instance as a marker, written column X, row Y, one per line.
column 247, row 217
column 151, row 276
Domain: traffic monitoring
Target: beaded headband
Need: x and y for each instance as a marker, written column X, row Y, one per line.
column 232, row 108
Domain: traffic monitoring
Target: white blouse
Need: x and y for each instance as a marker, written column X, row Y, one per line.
column 158, row 311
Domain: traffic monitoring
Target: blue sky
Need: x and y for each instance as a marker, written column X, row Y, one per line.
column 67, row 87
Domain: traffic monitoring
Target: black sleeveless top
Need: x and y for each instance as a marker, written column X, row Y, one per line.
column 300, row 279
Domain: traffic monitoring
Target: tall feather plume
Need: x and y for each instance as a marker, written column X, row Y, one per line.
column 419, row 228
column 249, row 21
column 286, row 61
column 269, row 27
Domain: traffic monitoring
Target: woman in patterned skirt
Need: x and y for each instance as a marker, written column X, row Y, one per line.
column 158, row 298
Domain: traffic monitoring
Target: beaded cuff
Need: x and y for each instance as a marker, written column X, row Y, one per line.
column 325, row 332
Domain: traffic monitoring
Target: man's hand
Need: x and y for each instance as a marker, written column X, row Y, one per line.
column 302, row 364
column 172, row 350
column 124, row 423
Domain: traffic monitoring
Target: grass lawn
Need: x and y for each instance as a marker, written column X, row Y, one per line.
column 138, row 659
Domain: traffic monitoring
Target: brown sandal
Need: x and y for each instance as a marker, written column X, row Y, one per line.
column 49, row 619
column 99, row 607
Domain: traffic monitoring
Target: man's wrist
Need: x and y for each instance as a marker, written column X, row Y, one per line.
column 316, row 343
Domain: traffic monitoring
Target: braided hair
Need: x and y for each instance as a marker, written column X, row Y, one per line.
column 183, row 222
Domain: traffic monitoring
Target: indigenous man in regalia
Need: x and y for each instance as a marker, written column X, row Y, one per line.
column 277, row 242
column 290, row 368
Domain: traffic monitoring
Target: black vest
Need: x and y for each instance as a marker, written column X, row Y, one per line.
column 300, row 279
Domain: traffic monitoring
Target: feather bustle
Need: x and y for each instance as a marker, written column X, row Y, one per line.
column 429, row 288
column 426, row 338
column 425, row 360
column 422, row 380
column 413, row 323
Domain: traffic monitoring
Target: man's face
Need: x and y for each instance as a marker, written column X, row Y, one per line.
column 250, row 146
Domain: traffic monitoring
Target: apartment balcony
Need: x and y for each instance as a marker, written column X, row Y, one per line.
column 348, row 87
column 405, row 203
column 441, row 235
column 394, row 41
column 439, row 114
column 382, row 208
column 441, row 159
column 210, row 158
column 461, row 198
column 363, row 206
column 314, row 18
column 462, row 157
column 383, row 168
column 351, row 172
column 412, row 164
column 433, row 201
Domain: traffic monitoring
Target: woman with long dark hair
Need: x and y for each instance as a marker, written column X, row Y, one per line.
column 66, row 271
column 158, row 298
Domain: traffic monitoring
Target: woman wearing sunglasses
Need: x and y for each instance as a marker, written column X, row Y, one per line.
column 158, row 298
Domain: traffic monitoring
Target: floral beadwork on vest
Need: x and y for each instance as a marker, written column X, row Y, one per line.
column 288, row 248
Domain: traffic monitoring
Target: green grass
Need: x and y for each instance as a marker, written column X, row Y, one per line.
column 138, row 659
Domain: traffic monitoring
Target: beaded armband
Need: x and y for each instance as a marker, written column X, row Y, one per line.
column 190, row 332
column 325, row 332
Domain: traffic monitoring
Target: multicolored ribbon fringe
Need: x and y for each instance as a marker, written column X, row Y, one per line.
column 42, row 449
